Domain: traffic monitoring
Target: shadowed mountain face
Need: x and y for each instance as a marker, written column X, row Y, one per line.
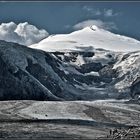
column 27, row 73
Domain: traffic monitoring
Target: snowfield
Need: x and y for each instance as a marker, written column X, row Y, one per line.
column 88, row 39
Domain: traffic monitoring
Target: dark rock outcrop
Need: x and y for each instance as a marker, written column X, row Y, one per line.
column 135, row 88
column 86, row 68
column 107, row 73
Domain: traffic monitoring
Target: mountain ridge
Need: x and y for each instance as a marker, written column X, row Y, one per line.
column 34, row 74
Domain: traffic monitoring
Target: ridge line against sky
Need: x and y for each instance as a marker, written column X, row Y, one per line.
column 65, row 17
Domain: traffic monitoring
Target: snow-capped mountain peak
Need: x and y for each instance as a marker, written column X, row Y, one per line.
column 88, row 38
column 94, row 27
column 91, row 28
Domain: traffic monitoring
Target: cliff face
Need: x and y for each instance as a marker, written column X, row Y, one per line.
column 135, row 89
column 16, row 82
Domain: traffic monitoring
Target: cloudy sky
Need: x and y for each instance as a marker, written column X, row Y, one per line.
column 65, row 17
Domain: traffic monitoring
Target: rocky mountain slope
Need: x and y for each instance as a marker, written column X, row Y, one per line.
column 28, row 73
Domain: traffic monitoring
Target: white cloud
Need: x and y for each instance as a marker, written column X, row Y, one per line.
column 92, row 11
column 109, row 13
column 22, row 33
column 98, row 23
column 98, row 12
